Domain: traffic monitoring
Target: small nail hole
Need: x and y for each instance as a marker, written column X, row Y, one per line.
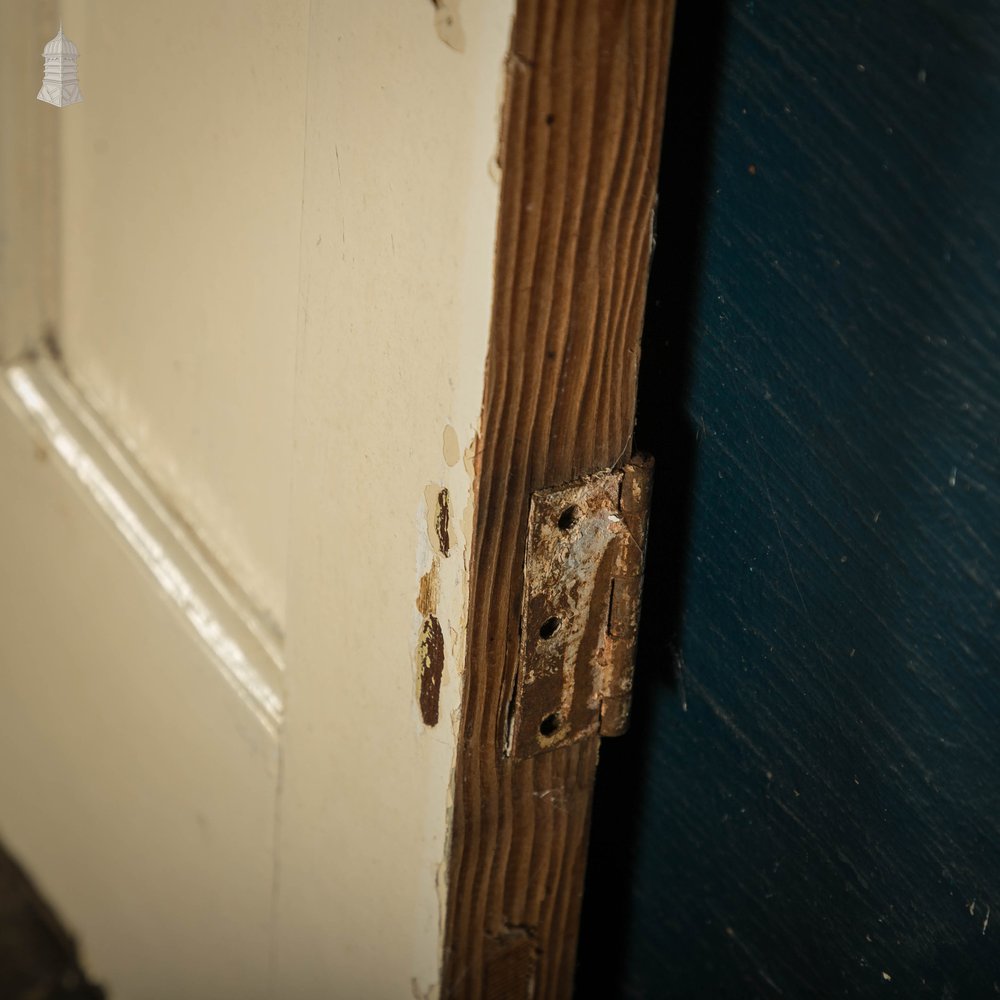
column 549, row 627
column 549, row 724
column 569, row 517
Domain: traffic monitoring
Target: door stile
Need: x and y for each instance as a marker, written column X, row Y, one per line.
column 586, row 85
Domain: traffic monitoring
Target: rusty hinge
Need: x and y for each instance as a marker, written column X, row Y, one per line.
column 580, row 610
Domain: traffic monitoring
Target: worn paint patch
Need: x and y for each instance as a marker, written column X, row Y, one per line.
column 472, row 458
column 431, row 993
column 427, row 593
column 430, row 661
column 450, row 446
column 448, row 25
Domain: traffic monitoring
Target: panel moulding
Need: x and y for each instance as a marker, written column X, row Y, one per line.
column 247, row 654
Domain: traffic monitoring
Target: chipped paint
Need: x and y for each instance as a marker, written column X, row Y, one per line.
column 438, row 506
column 430, row 648
column 430, row 657
column 448, row 24
column 472, row 458
column 471, row 463
column 429, row 591
column 441, row 519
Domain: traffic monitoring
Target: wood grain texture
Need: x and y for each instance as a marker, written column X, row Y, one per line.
column 579, row 154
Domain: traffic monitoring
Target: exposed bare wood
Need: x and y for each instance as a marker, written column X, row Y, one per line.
column 580, row 150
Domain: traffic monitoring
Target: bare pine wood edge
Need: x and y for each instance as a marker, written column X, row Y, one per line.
column 586, row 84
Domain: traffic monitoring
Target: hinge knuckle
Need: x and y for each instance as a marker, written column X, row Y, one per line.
column 626, row 596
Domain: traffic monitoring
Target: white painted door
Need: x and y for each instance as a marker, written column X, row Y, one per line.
column 245, row 292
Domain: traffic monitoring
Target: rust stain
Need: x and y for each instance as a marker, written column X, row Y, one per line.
column 430, row 664
column 441, row 519
column 580, row 609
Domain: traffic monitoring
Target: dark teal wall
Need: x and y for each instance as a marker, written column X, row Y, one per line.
column 809, row 801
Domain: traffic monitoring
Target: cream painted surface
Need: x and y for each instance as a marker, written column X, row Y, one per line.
column 397, row 266
column 135, row 785
column 245, row 653
column 297, row 398
column 181, row 187
column 28, row 171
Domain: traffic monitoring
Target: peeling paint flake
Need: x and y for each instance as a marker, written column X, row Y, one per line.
column 430, row 640
column 441, row 523
column 438, row 519
column 427, row 595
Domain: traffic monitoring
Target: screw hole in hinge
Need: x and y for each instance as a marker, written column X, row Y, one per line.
column 569, row 517
column 549, row 725
column 549, row 627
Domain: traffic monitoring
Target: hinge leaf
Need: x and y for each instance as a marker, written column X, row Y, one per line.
column 583, row 570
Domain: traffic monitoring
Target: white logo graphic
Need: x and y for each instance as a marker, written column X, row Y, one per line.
column 60, row 86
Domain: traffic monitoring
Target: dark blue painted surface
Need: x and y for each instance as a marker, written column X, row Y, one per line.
column 809, row 802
